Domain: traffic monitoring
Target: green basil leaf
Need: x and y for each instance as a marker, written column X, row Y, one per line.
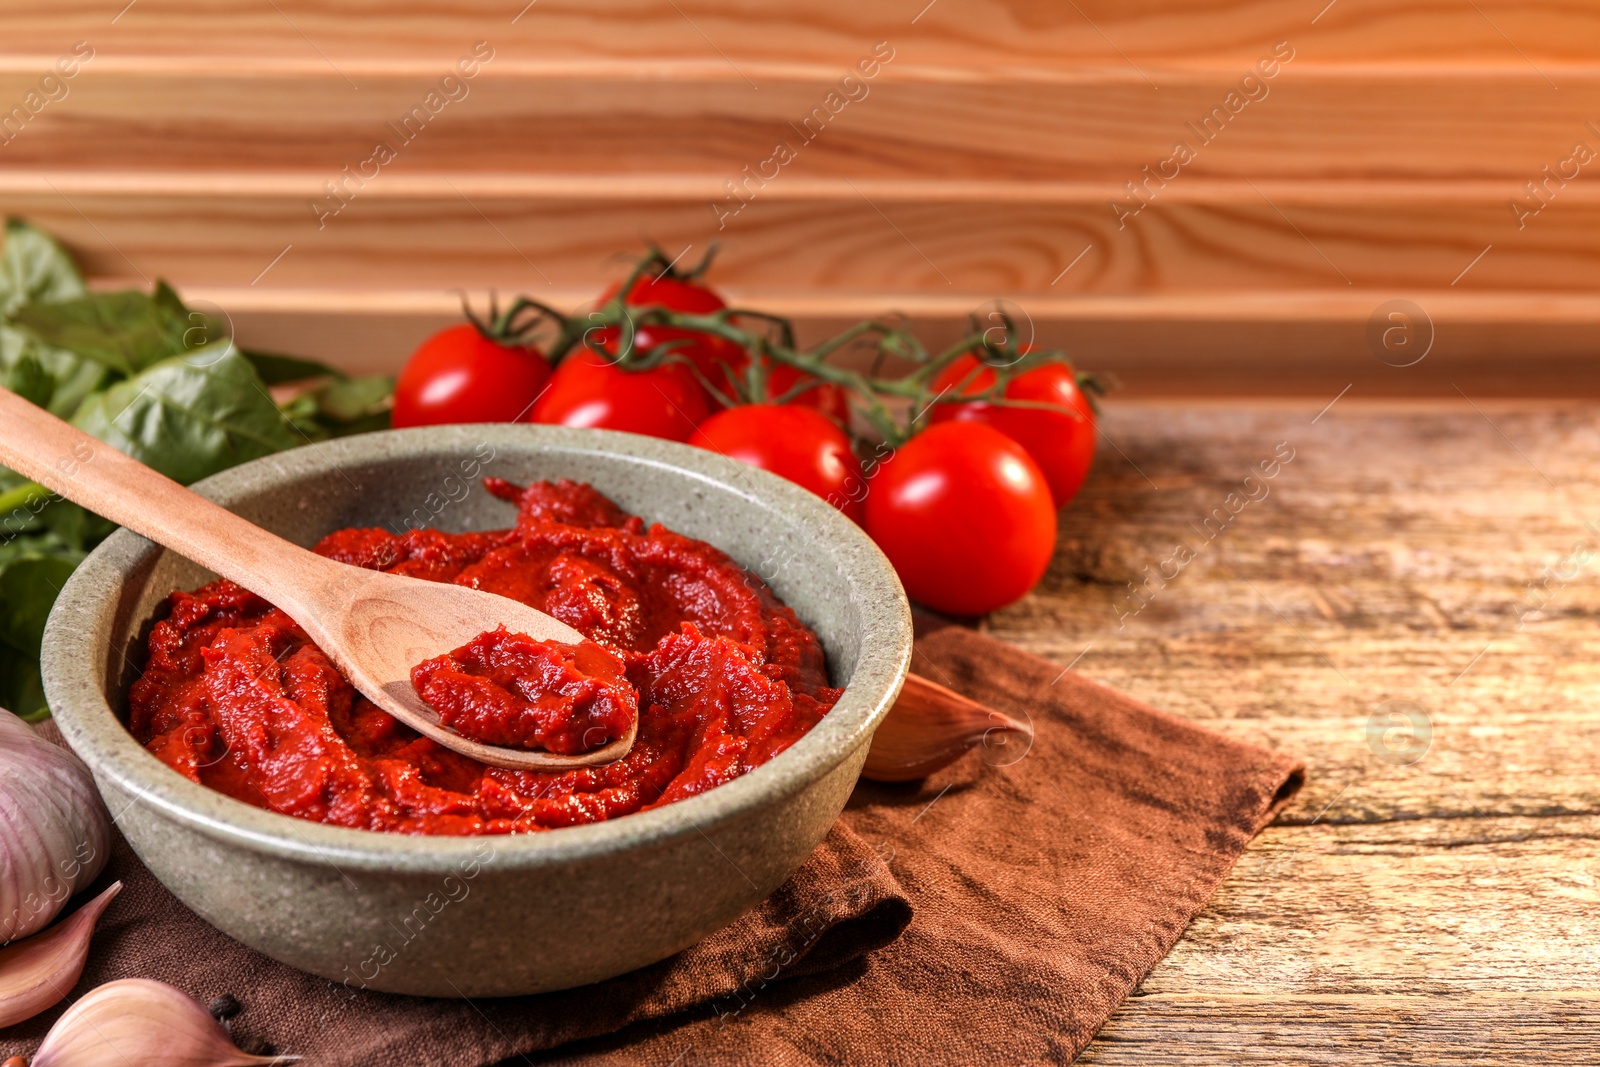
column 29, row 380
column 193, row 329
column 73, row 376
column 33, row 569
column 22, row 504
column 28, row 589
column 301, row 414
column 76, row 379
column 190, row 416
column 21, row 687
column 46, row 543
column 167, row 298
column 125, row 331
column 355, row 399
column 75, row 526
column 29, row 511
column 34, row 267
column 276, row 369
column 342, row 407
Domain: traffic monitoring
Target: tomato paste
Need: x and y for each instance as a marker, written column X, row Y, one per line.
column 236, row 697
column 510, row 689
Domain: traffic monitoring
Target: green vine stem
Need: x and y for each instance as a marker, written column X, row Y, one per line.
column 895, row 408
column 516, row 326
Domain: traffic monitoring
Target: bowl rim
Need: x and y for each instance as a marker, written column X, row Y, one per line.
column 97, row 734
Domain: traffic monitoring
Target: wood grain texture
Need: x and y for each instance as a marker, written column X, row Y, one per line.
column 987, row 157
column 1314, row 122
column 1441, row 911
column 1245, row 291
column 1461, row 1030
column 1015, row 38
column 835, row 238
column 1181, row 347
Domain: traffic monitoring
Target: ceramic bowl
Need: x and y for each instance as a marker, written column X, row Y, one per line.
column 504, row 915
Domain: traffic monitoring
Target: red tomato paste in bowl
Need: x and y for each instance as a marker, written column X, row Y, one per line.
column 725, row 677
column 510, row 689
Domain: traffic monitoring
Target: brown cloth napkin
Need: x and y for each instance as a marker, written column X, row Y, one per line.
column 1045, row 885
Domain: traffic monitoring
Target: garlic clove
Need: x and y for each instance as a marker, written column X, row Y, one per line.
column 930, row 727
column 55, row 834
column 144, row 1022
column 37, row 972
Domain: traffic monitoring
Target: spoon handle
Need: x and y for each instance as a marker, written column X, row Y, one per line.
column 87, row 471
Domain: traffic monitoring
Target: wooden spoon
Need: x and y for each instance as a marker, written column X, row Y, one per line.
column 374, row 626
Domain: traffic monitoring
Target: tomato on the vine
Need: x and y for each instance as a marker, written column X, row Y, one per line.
column 713, row 356
column 964, row 515
column 461, row 375
column 589, row 390
column 801, row 444
column 723, row 362
column 825, row 397
column 1060, row 441
column 671, row 292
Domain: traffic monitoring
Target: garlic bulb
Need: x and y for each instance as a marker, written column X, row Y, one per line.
column 143, row 1022
column 930, row 727
column 37, row 972
column 55, row 835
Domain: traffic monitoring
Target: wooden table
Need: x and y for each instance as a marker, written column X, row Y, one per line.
column 1419, row 907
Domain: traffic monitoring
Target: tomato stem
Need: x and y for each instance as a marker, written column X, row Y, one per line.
column 874, row 397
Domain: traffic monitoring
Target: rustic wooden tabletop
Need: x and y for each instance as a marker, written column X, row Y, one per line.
column 1409, row 605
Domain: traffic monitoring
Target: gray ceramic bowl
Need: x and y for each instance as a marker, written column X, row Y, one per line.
column 504, row 915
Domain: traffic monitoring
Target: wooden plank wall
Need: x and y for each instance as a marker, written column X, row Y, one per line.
column 1356, row 152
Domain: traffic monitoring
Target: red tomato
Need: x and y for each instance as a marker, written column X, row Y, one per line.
column 728, row 375
column 825, row 397
column 674, row 294
column 721, row 361
column 459, row 375
column 800, row 444
column 717, row 358
column 1060, row 442
column 965, row 517
column 588, row 390
column 713, row 356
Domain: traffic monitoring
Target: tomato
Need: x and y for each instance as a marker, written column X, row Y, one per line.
column 674, row 294
column 802, row 445
column 1061, row 442
column 722, row 361
column 717, row 358
column 964, row 515
column 825, row 397
column 821, row 396
column 713, row 356
column 459, row 375
column 589, row 390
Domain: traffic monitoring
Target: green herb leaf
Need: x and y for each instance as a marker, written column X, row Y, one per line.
column 277, row 369
column 22, row 504
column 29, row 380
column 343, row 407
column 34, row 267
column 28, row 509
column 148, row 376
column 73, row 377
column 21, row 687
column 190, row 416
column 355, row 399
column 28, row 588
column 32, row 570
column 125, row 331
